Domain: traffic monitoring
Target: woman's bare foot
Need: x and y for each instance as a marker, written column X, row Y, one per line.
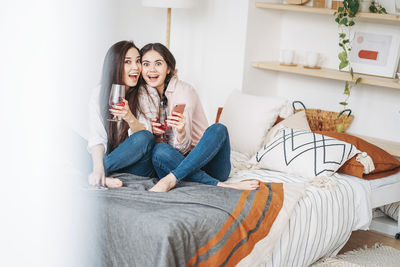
column 165, row 184
column 243, row 185
column 113, row 182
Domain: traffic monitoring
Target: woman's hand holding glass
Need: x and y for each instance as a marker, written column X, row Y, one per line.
column 123, row 111
column 177, row 121
column 156, row 127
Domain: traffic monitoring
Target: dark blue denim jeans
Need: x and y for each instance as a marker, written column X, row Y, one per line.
column 208, row 163
column 132, row 156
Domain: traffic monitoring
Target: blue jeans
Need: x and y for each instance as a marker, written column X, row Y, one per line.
column 208, row 163
column 132, row 156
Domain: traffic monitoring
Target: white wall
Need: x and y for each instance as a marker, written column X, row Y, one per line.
column 132, row 21
column 376, row 109
column 263, row 39
column 208, row 42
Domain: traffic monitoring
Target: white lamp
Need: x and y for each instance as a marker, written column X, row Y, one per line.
column 169, row 4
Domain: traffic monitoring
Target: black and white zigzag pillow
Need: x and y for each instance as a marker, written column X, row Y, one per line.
column 304, row 153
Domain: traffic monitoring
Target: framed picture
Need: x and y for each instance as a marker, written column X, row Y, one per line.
column 375, row 54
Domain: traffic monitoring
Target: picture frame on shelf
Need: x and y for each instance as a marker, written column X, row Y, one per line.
column 375, row 54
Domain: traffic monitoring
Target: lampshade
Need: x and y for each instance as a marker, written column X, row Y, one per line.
column 169, row 3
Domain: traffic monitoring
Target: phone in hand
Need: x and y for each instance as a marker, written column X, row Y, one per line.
column 179, row 108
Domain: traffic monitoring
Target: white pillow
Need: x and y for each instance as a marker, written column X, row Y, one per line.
column 248, row 118
column 304, row 153
column 296, row 121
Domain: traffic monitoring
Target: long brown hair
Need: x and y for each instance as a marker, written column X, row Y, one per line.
column 169, row 59
column 113, row 70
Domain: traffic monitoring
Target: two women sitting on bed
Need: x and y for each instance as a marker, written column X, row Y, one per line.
column 190, row 151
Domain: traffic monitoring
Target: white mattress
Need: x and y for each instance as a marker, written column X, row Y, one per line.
column 383, row 191
column 377, row 183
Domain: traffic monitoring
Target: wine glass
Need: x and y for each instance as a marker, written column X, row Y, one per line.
column 117, row 95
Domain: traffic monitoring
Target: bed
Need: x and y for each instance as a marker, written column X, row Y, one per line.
column 134, row 228
column 193, row 225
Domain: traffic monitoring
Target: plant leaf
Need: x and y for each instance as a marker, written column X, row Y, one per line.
column 343, row 103
column 358, row 80
column 342, row 56
column 343, row 64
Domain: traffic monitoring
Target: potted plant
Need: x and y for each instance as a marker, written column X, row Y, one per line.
column 376, row 7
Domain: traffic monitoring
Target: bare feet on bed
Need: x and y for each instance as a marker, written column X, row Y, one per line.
column 165, row 184
column 243, row 185
column 113, row 182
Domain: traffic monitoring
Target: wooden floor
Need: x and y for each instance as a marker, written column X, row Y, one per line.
column 360, row 238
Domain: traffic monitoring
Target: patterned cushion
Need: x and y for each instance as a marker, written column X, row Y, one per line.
column 304, row 153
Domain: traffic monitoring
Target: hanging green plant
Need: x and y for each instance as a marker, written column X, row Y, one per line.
column 376, row 7
column 345, row 16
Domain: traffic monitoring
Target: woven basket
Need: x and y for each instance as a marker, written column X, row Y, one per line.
column 322, row 120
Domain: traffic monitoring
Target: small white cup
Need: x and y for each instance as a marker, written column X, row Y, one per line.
column 364, row 5
column 397, row 6
column 312, row 59
column 287, row 56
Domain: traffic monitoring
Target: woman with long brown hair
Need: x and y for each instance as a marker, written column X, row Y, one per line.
column 193, row 151
column 123, row 146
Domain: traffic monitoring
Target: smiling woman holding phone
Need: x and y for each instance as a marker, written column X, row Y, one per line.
column 192, row 152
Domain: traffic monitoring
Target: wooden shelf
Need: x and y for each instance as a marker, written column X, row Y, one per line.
column 328, row 74
column 383, row 18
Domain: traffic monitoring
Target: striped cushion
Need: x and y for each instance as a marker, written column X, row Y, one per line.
column 391, row 210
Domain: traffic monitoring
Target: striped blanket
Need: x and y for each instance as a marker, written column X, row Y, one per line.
column 322, row 220
column 192, row 225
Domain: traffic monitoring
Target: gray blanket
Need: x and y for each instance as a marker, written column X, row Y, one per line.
column 193, row 224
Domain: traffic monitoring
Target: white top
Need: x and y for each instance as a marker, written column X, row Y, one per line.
column 149, row 104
